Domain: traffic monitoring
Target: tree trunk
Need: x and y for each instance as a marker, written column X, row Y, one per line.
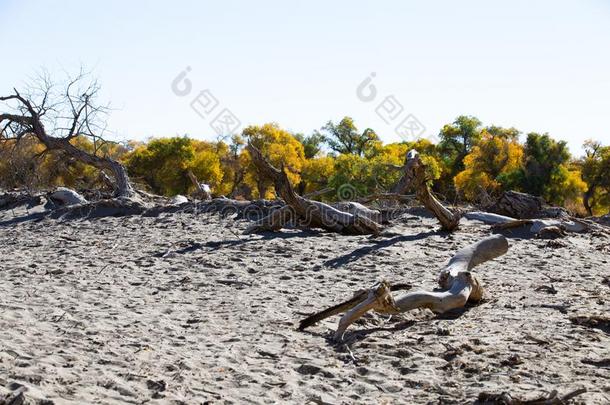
column 414, row 176
column 122, row 184
column 518, row 205
column 586, row 200
column 309, row 213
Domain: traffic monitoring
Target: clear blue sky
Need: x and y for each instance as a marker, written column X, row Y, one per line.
column 537, row 65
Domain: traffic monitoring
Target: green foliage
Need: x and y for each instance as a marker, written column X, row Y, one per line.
column 457, row 140
column 163, row 164
column 280, row 148
column 545, row 167
column 353, row 171
column 492, row 165
column 344, row 138
column 469, row 158
column 312, row 144
column 596, row 174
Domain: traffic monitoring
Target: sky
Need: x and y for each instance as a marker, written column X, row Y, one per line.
column 541, row 66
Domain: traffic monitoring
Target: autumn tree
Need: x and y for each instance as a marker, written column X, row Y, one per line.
column 57, row 114
column 208, row 165
column 234, row 172
column 280, row 148
column 547, row 170
column 163, row 164
column 29, row 164
column 492, row 165
column 596, row 173
column 316, row 174
column 344, row 137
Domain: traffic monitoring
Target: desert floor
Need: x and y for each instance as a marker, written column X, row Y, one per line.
column 183, row 308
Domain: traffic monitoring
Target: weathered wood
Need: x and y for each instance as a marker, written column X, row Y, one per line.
column 539, row 227
column 414, row 176
column 455, row 278
column 358, row 297
column 201, row 191
column 30, row 116
column 14, row 199
column 308, row 213
column 517, row 205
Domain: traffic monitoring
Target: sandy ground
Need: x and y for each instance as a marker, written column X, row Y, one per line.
column 182, row 308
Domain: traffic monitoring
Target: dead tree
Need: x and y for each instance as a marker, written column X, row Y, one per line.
column 414, row 177
column 55, row 117
column 542, row 228
column 305, row 212
column 455, row 278
column 201, row 190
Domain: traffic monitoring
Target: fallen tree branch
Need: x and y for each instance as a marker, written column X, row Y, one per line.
column 200, row 190
column 358, row 297
column 455, row 278
column 539, row 227
column 308, row 213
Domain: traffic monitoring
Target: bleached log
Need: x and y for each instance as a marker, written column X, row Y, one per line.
column 488, row 218
column 309, row 213
column 273, row 222
column 455, row 278
column 358, row 297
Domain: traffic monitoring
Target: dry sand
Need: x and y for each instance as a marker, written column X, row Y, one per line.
column 182, row 308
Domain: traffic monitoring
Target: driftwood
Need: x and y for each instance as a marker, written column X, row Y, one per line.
column 305, row 212
column 358, row 297
column 455, row 278
column 540, row 227
column 402, row 198
column 201, row 190
column 517, row 205
column 414, row 176
column 14, row 199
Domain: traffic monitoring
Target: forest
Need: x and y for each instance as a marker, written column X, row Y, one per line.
column 471, row 163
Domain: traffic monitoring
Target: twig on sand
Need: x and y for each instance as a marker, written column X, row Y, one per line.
column 358, row 297
column 351, row 354
column 103, row 268
column 233, row 282
column 506, row 398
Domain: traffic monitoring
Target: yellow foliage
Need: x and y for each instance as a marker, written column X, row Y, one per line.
column 492, row 160
column 317, row 172
column 280, row 148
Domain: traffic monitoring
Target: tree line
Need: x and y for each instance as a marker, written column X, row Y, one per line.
column 470, row 163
